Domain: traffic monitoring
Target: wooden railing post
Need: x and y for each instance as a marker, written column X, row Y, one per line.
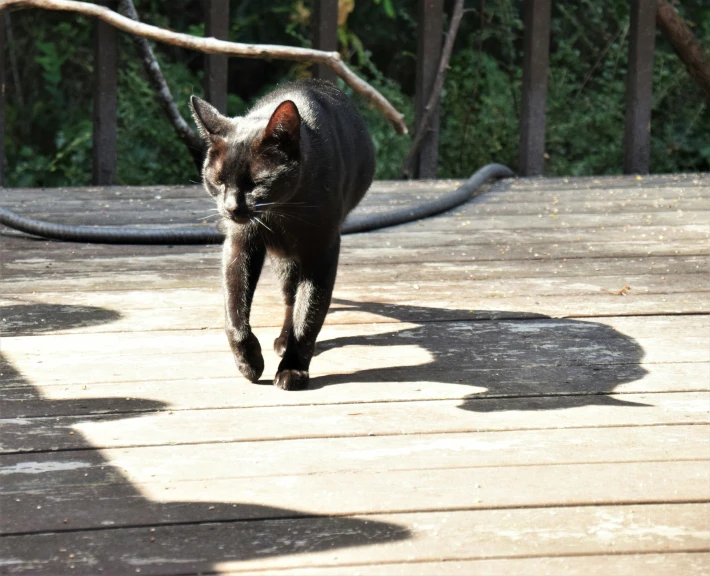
column 105, row 79
column 325, row 34
column 216, row 65
column 429, row 37
column 639, row 87
column 2, row 98
column 535, row 69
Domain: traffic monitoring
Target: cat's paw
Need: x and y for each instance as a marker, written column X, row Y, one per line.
column 280, row 345
column 247, row 355
column 291, row 379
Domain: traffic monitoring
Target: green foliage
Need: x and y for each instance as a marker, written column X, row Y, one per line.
column 48, row 137
column 149, row 152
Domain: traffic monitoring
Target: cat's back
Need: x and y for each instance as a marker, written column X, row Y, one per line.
column 340, row 146
column 313, row 98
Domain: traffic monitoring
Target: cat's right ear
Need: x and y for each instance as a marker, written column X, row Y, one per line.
column 209, row 121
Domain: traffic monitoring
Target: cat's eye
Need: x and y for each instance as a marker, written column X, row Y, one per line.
column 247, row 184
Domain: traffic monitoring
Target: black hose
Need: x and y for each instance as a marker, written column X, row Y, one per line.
column 463, row 193
column 353, row 225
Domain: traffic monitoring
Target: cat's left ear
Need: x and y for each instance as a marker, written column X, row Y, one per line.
column 208, row 119
column 284, row 128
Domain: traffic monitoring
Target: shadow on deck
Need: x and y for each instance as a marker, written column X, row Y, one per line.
column 199, row 536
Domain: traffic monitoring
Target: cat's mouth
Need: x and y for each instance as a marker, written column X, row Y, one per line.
column 240, row 218
column 243, row 216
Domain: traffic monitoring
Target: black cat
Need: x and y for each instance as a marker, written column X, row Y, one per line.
column 284, row 177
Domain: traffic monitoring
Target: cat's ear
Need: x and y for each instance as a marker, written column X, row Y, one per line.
column 209, row 121
column 284, row 128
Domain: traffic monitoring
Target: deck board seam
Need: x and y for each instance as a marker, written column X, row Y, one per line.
column 530, row 317
column 477, row 398
column 360, row 435
column 305, row 515
column 443, row 561
column 351, row 470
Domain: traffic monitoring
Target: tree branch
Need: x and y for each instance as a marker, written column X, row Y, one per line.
column 681, row 37
column 214, row 46
column 187, row 135
column 433, row 102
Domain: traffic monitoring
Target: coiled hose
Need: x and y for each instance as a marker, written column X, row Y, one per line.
column 352, row 225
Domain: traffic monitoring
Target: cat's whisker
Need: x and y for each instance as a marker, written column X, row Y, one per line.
column 209, row 216
column 264, row 225
column 284, row 204
column 289, row 216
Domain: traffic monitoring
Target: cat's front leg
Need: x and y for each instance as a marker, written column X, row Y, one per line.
column 315, row 288
column 288, row 274
column 242, row 261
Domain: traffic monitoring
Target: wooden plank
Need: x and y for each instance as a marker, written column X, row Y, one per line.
column 163, row 273
column 21, row 400
column 38, row 275
column 429, row 39
column 650, row 181
column 679, row 564
column 122, row 311
column 324, row 21
column 184, row 212
column 382, row 193
column 583, row 188
column 2, row 98
column 414, row 298
column 342, row 420
column 450, row 349
column 639, row 87
column 354, row 493
column 216, row 65
column 332, row 541
column 473, row 450
column 535, row 70
column 105, row 100
column 414, row 248
column 472, row 217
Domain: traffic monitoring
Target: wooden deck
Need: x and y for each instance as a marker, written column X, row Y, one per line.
column 517, row 387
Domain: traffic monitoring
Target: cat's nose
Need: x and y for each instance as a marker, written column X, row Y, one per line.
column 230, row 204
column 236, row 209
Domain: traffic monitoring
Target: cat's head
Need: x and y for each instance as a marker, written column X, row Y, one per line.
column 251, row 163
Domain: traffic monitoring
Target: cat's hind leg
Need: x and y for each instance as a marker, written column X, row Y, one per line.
column 242, row 262
column 288, row 274
column 315, row 288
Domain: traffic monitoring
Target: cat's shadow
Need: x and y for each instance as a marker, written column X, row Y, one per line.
column 520, row 362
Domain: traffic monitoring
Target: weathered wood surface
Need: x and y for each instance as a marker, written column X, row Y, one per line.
column 680, row 564
column 352, row 492
column 488, row 396
column 316, row 541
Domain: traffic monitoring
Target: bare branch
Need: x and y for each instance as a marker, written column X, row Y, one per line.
column 214, row 46
column 194, row 143
column 683, row 40
column 433, row 102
